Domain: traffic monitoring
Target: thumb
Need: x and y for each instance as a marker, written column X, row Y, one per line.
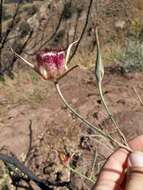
column 135, row 173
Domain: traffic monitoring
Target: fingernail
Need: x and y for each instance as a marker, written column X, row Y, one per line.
column 136, row 159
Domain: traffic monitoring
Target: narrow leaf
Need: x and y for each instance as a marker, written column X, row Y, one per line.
column 99, row 69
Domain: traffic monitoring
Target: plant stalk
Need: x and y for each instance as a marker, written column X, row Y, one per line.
column 110, row 115
column 88, row 124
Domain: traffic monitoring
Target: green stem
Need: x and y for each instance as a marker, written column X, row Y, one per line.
column 110, row 115
column 93, row 165
column 63, row 75
column 80, row 174
column 88, row 124
column 99, row 70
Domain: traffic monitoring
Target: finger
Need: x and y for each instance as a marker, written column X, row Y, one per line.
column 135, row 172
column 113, row 173
column 137, row 143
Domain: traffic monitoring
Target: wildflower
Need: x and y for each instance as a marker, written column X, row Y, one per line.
column 50, row 63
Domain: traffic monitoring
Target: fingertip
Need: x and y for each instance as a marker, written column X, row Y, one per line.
column 136, row 159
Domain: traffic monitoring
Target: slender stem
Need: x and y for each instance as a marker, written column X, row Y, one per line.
column 80, row 174
column 83, row 30
column 69, row 49
column 99, row 70
column 110, row 115
column 93, row 165
column 1, row 13
column 138, row 96
column 63, row 75
column 27, row 62
column 107, row 146
column 1, row 30
column 88, row 124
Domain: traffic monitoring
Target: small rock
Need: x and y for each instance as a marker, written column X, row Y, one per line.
column 120, row 24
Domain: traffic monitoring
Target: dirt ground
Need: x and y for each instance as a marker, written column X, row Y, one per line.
column 55, row 130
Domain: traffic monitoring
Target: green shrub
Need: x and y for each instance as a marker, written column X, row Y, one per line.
column 135, row 29
column 131, row 58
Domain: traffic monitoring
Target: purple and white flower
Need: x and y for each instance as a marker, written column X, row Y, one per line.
column 50, row 63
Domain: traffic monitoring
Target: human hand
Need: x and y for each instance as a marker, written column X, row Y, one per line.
column 113, row 176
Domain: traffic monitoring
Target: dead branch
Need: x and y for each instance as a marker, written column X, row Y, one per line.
column 83, row 31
